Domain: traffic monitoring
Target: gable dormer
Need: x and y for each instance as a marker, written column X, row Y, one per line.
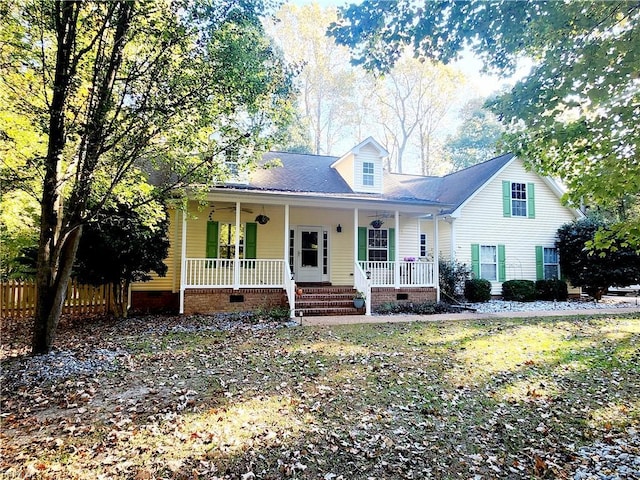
column 361, row 167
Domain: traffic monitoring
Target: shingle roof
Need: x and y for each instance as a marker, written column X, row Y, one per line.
column 313, row 173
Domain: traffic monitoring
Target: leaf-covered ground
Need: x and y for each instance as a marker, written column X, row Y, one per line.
column 161, row 397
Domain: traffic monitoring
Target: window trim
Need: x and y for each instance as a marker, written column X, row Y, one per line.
column 545, row 264
column 368, row 176
column 520, row 205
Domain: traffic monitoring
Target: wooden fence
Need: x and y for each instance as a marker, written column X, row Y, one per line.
column 18, row 299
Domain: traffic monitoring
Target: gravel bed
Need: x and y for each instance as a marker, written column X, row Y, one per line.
column 59, row 366
column 497, row 306
column 617, row 461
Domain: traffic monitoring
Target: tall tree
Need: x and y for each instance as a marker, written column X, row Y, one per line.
column 576, row 116
column 414, row 97
column 325, row 79
column 476, row 138
column 118, row 88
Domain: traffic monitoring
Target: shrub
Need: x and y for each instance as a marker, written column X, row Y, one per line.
column 519, row 290
column 453, row 274
column 477, row 290
column 425, row 308
column 551, row 290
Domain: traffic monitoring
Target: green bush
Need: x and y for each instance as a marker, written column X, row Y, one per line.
column 519, row 290
column 452, row 277
column 425, row 308
column 477, row 290
column 551, row 290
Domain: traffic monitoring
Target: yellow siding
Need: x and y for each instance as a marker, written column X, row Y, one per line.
column 168, row 282
column 482, row 222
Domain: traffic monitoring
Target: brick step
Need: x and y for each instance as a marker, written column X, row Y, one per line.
column 325, row 301
column 325, row 312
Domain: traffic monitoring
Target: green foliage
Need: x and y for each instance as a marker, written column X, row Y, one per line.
column 121, row 245
column 519, row 290
column 18, row 233
column 595, row 271
column 553, row 289
column 128, row 100
column 453, row 274
column 477, row 290
column 424, row 308
column 476, row 138
column 576, row 116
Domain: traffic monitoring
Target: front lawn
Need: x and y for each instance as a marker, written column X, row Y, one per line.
column 198, row 398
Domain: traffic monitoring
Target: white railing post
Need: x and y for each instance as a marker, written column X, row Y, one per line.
column 289, row 285
column 362, row 283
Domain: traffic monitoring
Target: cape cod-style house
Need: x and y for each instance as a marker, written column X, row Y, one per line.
column 310, row 233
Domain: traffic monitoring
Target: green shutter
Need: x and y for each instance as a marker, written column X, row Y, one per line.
column 362, row 244
column 475, row 260
column 531, row 200
column 539, row 263
column 250, row 240
column 212, row 240
column 506, row 198
column 502, row 264
column 392, row 244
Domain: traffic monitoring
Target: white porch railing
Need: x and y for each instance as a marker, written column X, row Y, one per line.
column 245, row 273
column 411, row 274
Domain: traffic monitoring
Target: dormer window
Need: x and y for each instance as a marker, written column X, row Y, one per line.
column 367, row 173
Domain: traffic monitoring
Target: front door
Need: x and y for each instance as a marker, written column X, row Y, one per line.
column 309, row 248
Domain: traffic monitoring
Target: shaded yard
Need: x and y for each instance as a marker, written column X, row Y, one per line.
column 160, row 397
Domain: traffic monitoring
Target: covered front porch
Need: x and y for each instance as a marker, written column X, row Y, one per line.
column 303, row 242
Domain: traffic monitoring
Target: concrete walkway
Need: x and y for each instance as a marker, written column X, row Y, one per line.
column 354, row 319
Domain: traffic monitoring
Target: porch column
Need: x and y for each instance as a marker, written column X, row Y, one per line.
column 183, row 256
column 355, row 241
column 236, row 256
column 436, row 255
column 396, row 261
column 287, row 239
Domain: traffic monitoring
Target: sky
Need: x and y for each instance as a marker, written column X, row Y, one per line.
column 485, row 85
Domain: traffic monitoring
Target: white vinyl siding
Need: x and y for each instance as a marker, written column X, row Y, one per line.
column 368, row 170
column 482, row 221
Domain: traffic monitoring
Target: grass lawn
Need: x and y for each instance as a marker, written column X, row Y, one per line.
column 176, row 398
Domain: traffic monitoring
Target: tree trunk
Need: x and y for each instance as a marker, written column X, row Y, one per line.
column 120, row 297
column 52, row 281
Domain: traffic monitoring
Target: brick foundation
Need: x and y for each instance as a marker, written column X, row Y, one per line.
column 212, row 300
column 380, row 296
column 155, row 302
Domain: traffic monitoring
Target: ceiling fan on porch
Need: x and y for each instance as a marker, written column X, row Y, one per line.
column 231, row 208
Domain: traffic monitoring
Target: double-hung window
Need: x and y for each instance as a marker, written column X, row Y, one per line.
column 227, row 243
column 489, row 262
column 551, row 264
column 367, row 173
column 519, row 199
column 378, row 245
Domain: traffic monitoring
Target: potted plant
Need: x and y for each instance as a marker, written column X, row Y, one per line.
column 262, row 219
column 377, row 223
column 358, row 299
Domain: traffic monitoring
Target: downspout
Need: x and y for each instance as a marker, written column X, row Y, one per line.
column 452, row 254
column 183, row 256
column 436, row 256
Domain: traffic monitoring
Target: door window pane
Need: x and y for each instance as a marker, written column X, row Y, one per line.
column 309, row 249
